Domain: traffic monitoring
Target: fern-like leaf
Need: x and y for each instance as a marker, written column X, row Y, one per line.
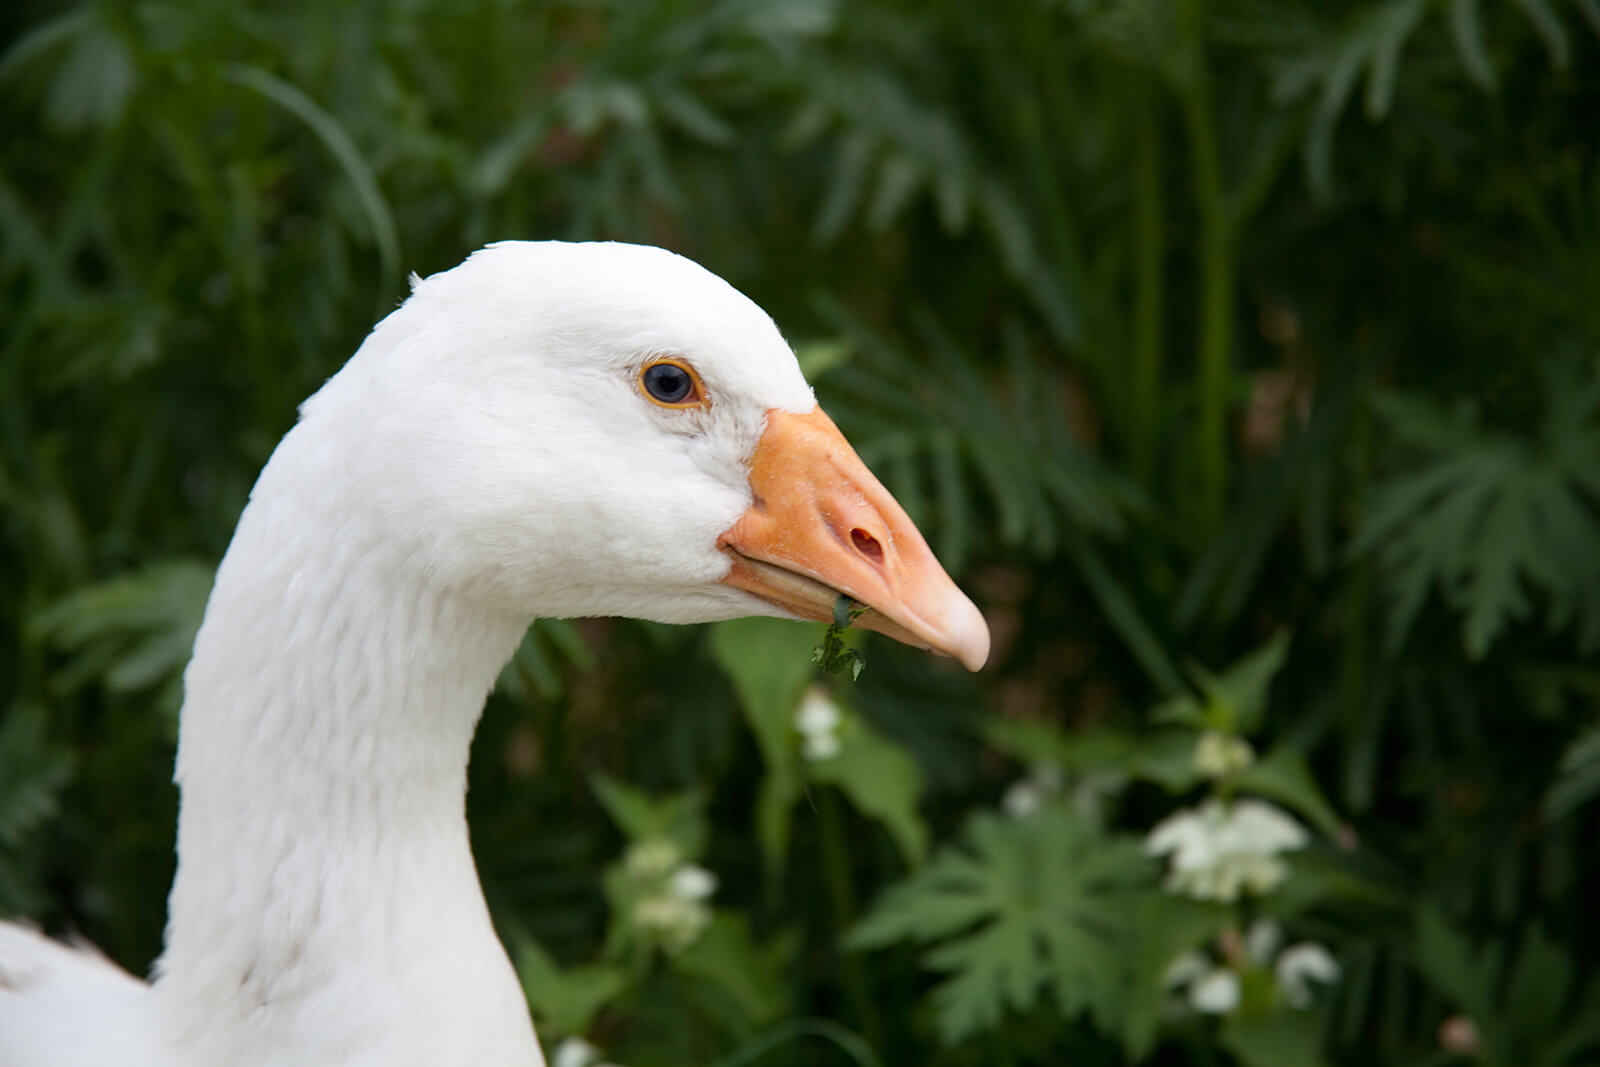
column 1489, row 521
column 132, row 632
column 32, row 774
column 1019, row 909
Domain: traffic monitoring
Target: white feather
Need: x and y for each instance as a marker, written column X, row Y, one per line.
column 483, row 459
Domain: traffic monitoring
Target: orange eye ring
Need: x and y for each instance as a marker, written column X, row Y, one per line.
column 670, row 382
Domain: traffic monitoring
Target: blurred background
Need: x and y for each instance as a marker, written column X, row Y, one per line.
column 1240, row 358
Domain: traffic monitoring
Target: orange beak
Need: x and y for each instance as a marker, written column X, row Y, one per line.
column 822, row 525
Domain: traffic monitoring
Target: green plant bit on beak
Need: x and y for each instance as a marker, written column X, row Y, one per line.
column 832, row 655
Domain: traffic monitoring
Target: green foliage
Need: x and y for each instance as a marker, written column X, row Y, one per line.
column 881, row 780
column 1278, row 1040
column 1530, row 1004
column 534, row 672
column 1235, row 701
column 660, row 928
column 767, row 663
column 1489, row 521
column 132, row 632
column 1018, row 910
column 1578, row 778
column 32, row 773
column 832, row 655
column 1163, row 927
column 565, row 1001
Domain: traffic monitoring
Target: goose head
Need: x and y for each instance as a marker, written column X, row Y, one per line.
column 557, row 429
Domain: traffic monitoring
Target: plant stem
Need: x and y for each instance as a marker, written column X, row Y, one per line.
column 1215, row 268
column 1144, row 422
column 841, row 893
column 1354, row 661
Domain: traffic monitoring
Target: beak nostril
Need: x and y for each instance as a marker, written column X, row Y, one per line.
column 866, row 544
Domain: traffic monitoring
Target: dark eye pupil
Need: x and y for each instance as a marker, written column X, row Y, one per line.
column 668, row 383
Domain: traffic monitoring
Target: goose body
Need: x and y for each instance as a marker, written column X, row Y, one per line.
column 504, row 446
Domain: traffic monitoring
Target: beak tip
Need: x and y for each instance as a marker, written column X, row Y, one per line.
column 966, row 635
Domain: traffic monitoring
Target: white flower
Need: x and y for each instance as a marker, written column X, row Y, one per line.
column 1184, row 968
column 817, row 720
column 651, row 858
column 1262, row 940
column 1219, row 851
column 690, row 882
column 1262, row 827
column 1022, row 799
column 1301, row 964
column 816, row 714
column 818, row 747
column 1215, row 994
column 672, row 921
column 1217, row 755
column 574, row 1052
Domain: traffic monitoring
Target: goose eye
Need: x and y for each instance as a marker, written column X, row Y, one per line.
column 671, row 383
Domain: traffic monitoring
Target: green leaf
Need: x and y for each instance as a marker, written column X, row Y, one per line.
column 1537, row 988
column 1487, row 520
column 1240, row 692
column 1125, row 618
column 1017, row 910
column 134, row 632
column 753, row 978
column 1234, row 701
column 1578, row 777
column 1167, row 759
column 342, row 147
column 1318, row 876
column 780, row 789
column 769, row 663
column 564, row 1001
column 93, row 85
column 1449, row 962
column 1034, row 741
column 533, row 674
column 832, row 655
column 1467, row 30
column 1528, row 1001
column 847, row 1042
column 1282, row 775
column 1331, row 64
column 1549, row 28
column 1275, row 1039
column 817, row 358
column 882, row 780
column 33, row 772
column 690, row 114
column 1164, row 926
column 678, row 817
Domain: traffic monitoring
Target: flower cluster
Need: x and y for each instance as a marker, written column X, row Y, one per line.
column 671, row 907
column 1213, row 988
column 1222, row 850
column 816, row 720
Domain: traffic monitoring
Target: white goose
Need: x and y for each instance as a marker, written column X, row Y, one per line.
column 547, row 430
